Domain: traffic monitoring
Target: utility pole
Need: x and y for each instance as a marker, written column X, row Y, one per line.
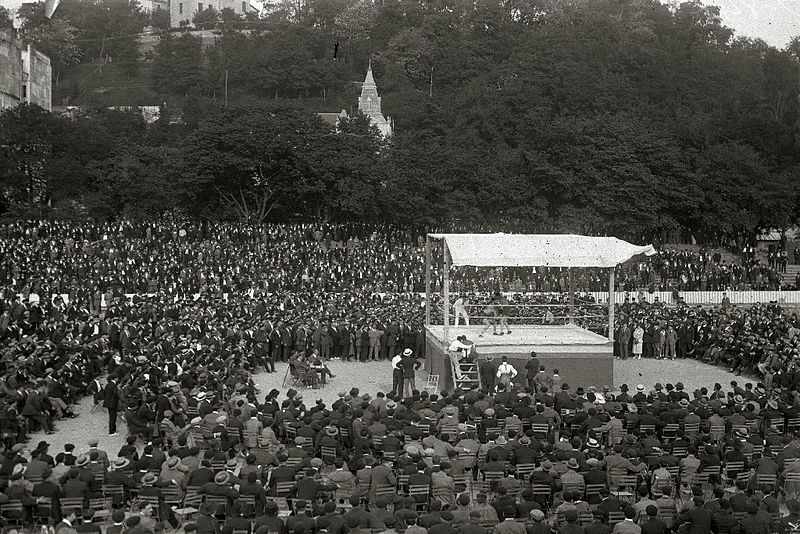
column 430, row 89
column 226, row 88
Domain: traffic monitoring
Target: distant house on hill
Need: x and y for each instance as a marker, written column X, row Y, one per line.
column 149, row 6
column 369, row 103
column 25, row 73
column 181, row 12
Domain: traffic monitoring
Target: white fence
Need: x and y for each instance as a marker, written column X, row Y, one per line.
column 704, row 297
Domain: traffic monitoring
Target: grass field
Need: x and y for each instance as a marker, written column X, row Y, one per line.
column 105, row 85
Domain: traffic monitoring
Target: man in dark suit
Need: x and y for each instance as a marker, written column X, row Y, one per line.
column 392, row 332
column 685, row 338
column 624, row 341
column 275, row 344
column 609, row 503
column 343, row 339
column 95, row 389
column 420, row 479
column 648, row 339
column 308, row 489
column 653, row 525
column 111, row 403
column 49, row 489
column 220, row 487
column 531, row 369
column 74, row 487
column 382, row 476
column 487, row 370
column 201, row 476
column 66, row 525
column 408, row 365
column 252, row 487
column 35, row 408
column 697, row 518
column 757, row 521
column 286, row 342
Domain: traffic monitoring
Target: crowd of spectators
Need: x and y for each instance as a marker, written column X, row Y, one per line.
column 708, row 271
column 207, row 451
column 761, row 340
column 87, row 260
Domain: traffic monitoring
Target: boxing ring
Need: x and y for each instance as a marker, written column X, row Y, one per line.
column 561, row 340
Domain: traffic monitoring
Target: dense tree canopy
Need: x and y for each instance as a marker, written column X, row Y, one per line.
column 606, row 116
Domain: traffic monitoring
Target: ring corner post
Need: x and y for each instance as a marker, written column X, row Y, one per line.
column 611, row 295
column 571, row 295
column 427, row 279
column 446, row 290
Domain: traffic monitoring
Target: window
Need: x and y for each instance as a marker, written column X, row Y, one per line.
column 180, row 8
column 244, row 7
column 24, row 91
column 200, row 7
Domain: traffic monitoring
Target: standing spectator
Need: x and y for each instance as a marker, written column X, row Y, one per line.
column 111, row 402
column 408, row 366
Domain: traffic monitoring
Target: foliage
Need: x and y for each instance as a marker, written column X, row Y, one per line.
column 6, row 22
column 626, row 117
column 177, row 64
column 57, row 40
column 207, row 18
column 159, row 19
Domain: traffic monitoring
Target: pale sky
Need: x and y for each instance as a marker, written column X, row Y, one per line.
column 774, row 21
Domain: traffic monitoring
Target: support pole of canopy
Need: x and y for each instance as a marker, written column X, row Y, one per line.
column 427, row 280
column 571, row 295
column 446, row 288
column 611, row 304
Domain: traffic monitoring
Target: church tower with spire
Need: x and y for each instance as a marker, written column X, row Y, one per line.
column 369, row 103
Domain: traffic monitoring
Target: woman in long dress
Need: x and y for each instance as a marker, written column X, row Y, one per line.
column 638, row 336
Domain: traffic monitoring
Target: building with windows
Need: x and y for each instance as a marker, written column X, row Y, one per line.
column 149, row 6
column 369, row 103
column 25, row 74
column 181, row 12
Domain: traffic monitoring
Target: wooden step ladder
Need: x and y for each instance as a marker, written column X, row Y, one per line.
column 469, row 375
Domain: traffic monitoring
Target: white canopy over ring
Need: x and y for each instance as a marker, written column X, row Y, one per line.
column 540, row 250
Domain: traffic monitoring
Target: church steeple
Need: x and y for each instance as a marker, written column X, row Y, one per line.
column 369, row 102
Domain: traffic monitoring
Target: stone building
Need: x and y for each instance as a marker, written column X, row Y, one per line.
column 369, row 103
column 25, row 74
column 149, row 6
column 181, row 12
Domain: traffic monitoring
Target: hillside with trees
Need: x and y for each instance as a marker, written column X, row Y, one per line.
column 624, row 117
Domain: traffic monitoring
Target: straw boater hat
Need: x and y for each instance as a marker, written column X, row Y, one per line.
column 121, row 463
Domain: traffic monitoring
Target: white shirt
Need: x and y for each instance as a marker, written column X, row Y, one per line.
column 395, row 361
column 457, row 345
column 506, row 369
